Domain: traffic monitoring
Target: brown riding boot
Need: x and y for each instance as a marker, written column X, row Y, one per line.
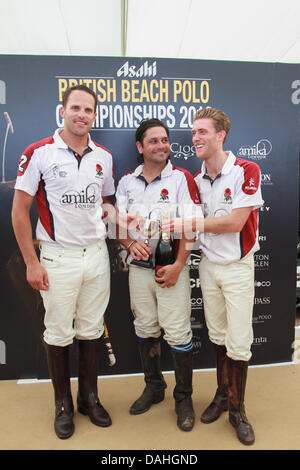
column 237, row 375
column 183, row 365
column 154, row 392
column 58, row 364
column 220, row 401
column 87, row 398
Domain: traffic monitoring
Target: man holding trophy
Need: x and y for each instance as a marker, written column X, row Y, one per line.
column 160, row 300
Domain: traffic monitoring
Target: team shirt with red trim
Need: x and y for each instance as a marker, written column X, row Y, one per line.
column 68, row 190
column 238, row 185
column 171, row 194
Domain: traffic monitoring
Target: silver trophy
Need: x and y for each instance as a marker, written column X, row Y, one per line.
column 149, row 228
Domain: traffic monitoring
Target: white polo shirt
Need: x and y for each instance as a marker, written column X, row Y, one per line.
column 238, row 185
column 68, row 190
column 174, row 191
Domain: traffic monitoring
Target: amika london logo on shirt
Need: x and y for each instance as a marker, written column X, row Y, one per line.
column 85, row 199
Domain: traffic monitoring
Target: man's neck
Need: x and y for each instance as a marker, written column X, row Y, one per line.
column 76, row 143
column 151, row 171
column 215, row 163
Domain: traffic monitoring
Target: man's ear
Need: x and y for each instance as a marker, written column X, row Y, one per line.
column 221, row 135
column 139, row 146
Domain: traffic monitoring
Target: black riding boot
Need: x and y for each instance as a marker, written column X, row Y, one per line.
column 87, row 398
column 220, row 401
column 154, row 392
column 183, row 365
column 58, row 364
column 237, row 375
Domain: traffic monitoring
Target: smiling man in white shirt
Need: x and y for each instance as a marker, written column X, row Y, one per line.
column 154, row 188
column 70, row 176
column 230, row 194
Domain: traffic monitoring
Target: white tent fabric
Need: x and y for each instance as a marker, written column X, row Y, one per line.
column 259, row 30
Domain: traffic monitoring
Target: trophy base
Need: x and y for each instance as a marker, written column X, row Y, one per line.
column 143, row 263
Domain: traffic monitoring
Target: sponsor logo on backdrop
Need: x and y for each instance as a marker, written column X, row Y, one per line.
column 260, row 340
column 2, row 352
column 196, row 303
column 194, row 283
column 265, row 209
column 262, row 300
column 261, row 261
column 262, row 283
column 144, row 70
column 135, row 92
column 258, row 151
column 182, row 151
column 262, row 317
column 194, row 261
column 266, row 179
column 197, row 343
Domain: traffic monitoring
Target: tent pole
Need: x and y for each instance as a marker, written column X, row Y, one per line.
column 124, row 17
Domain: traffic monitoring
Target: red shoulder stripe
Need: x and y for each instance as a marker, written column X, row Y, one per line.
column 193, row 189
column 26, row 157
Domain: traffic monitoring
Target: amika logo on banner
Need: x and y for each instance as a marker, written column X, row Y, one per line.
column 257, row 151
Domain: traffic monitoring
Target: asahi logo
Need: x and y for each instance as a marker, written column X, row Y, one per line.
column 131, row 71
column 85, row 199
column 257, row 151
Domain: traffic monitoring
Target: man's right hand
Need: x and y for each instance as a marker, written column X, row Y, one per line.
column 37, row 276
column 140, row 250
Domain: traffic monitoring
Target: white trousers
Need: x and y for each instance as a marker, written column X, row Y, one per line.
column 228, row 294
column 79, row 289
column 155, row 308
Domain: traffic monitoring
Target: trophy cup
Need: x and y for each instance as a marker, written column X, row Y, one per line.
column 149, row 228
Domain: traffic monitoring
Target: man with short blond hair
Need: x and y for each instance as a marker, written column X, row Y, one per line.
column 230, row 194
